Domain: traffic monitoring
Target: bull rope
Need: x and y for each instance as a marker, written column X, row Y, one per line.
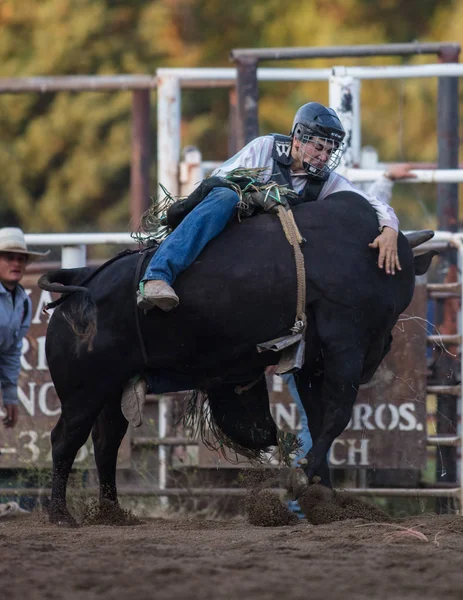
column 294, row 237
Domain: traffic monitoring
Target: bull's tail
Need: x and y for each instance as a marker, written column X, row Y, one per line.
column 80, row 315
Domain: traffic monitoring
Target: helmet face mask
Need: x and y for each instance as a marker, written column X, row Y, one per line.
column 321, row 135
column 319, row 155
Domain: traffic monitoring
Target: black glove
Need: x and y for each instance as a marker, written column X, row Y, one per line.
column 260, row 201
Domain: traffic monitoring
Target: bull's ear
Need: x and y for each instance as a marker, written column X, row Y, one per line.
column 422, row 261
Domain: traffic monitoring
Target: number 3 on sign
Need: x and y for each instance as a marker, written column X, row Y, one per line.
column 30, row 439
column 31, row 444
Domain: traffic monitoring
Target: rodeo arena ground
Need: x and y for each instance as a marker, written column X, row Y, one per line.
column 211, row 501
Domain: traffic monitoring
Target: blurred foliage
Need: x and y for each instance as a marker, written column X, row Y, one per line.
column 65, row 157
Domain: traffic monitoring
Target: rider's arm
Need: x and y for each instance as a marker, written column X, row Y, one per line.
column 382, row 187
column 386, row 241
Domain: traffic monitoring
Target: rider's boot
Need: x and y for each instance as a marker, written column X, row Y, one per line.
column 156, row 292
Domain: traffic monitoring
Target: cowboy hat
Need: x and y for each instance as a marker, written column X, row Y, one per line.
column 12, row 240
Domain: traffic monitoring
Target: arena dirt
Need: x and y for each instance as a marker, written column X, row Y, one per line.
column 183, row 559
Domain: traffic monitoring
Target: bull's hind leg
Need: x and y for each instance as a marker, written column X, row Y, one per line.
column 67, row 437
column 107, row 435
column 79, row 413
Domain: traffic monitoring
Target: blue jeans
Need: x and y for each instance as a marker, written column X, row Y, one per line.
column 181, row 248
column 304, row 436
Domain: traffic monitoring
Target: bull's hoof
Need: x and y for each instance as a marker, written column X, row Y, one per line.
column 265, row 509
column 62, row 518
column 297, row 482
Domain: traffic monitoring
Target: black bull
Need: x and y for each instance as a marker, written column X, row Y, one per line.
column 240, row 292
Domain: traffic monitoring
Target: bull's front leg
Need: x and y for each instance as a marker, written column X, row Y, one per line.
column 310, row 385
column 344, row 338
column 340, row 387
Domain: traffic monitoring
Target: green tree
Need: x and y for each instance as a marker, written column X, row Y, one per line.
column 65, row 157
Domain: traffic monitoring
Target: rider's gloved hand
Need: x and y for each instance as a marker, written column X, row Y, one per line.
column 260, row 201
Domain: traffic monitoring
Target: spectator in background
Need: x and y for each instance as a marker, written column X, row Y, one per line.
column 15, row 315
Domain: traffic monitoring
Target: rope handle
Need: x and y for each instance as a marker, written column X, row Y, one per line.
column 294, row 237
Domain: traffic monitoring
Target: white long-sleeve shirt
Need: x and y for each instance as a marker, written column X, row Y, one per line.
column 382, row 189
column 258, row 154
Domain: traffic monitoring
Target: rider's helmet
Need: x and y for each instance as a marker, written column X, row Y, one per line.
column 318, row 124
